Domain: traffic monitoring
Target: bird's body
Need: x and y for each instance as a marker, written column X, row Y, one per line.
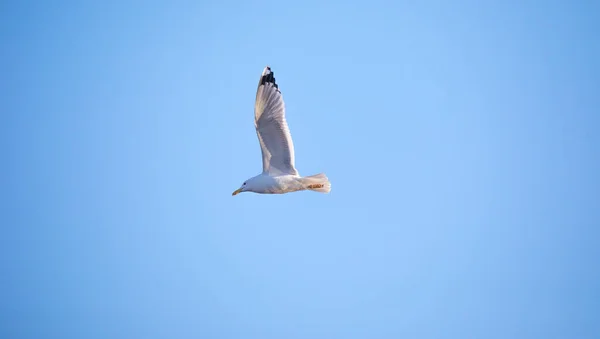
column 279, row 173
column 266, row 184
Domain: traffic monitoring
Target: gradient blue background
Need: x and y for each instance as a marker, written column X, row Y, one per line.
column 461, row 139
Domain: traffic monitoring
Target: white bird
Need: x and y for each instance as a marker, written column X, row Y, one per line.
column 279, row 174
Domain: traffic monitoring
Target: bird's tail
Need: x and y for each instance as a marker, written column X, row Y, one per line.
column 317, row 183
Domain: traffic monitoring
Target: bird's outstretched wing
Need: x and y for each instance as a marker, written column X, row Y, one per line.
column 271, row 127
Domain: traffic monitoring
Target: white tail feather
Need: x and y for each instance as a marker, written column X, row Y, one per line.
column 317, row 183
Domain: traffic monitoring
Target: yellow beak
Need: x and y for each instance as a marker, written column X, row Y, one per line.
column 236, row 191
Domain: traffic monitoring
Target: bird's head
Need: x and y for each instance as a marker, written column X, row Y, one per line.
column 249, row 185
column 253, row 184
column 242, row 188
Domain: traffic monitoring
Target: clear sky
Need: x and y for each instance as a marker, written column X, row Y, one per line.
column 460, row 137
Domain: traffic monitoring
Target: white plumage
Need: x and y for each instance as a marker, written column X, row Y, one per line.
column 272, row 128
column 279, row 172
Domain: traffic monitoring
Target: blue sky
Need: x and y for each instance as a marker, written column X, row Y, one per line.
column 460, row 139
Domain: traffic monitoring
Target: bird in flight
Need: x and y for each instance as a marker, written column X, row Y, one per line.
column 279, row 173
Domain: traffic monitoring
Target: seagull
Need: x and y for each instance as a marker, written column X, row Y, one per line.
column 279, row 173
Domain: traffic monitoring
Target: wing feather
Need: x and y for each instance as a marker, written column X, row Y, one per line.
column 272, row 128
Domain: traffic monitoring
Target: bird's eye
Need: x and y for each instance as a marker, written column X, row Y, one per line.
column 244, row 184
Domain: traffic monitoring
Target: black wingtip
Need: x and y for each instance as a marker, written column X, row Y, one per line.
column 268, row 77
